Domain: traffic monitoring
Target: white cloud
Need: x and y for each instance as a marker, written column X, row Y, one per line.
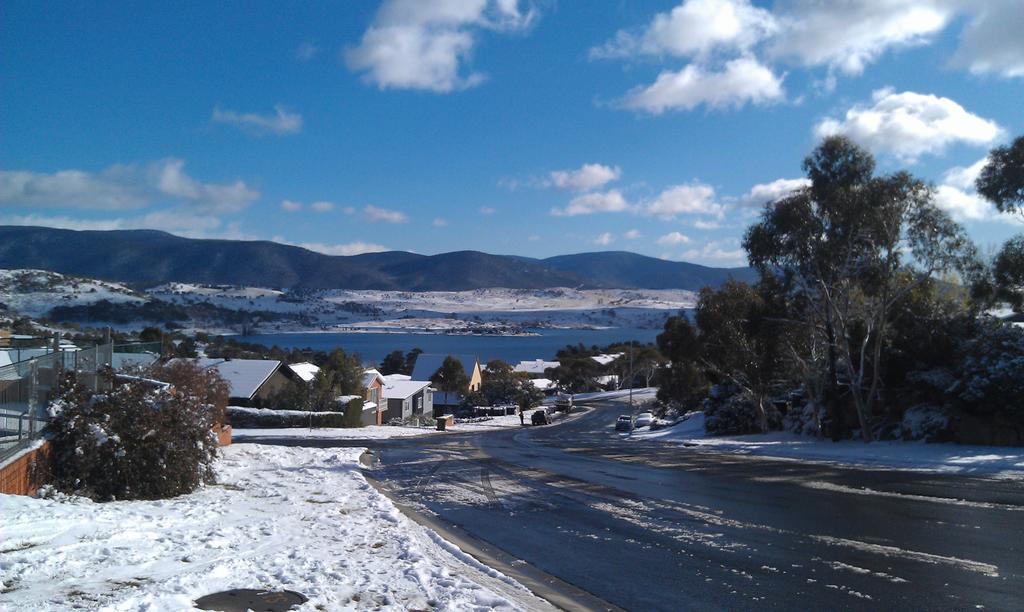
column 763, row 193
column 590, row 203
column 701, row 224
column 992, row 42
column 689, row 199
column 632, row 234
column 122, row 187
column 351, row 248
column 439, row 222
column 956, row 194
column 282, row 122
column 425, row 44
column 849, row 35
column 694, row 28
column 171, row 180
column 718, row 253
column 306, row 51
column 673, row 238
column 910, row 124
column 604, row 239
column 178, row 221
column 291, row 206
column 117, row 187
column 742, row 81
column 374, row 213
column 963, row 204
column 487, row 210
column 322, row 206
column 533, row 238
column 586, row 178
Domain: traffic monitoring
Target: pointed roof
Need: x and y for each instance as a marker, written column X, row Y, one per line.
column 427, row 364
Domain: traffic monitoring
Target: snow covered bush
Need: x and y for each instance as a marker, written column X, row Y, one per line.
column 926, row 422
column 269, row 418
column 805, row 419
column 728, row 413
column 139, row 440
column 991, row 375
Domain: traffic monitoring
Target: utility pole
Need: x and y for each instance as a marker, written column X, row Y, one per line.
column 631, row 380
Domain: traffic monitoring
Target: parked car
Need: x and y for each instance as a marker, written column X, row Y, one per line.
column 540, row 417
column 644, row 419
column 624, row 423
column 564, row 403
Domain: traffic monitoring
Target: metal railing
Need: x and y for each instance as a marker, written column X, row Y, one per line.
column 26, row 388
column 28, row 385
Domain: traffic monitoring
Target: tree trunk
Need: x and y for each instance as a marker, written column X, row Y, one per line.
column 830, row 392
column 762, row 415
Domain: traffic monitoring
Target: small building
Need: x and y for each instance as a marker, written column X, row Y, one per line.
column 250, row 381
column 606, row 358
column 535, row 368
column 305, row 371
column 427, row 364
column 373, row 388
column 546, row 385
column 406, row 398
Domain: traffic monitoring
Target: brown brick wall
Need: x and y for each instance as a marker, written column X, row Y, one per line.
column 27, row 473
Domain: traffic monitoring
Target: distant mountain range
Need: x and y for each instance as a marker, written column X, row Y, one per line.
column 150, row 257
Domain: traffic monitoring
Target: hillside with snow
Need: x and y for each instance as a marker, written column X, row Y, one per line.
column 230, row 308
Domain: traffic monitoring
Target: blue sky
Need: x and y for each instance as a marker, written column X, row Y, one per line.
column 526, row 127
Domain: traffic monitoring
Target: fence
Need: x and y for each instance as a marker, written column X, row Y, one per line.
column 28, row 385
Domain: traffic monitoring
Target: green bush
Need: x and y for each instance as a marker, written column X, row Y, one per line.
column 137, row 441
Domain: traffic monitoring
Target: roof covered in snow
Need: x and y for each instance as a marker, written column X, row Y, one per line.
column 305, row 370
column 244, row 376
column 535, row 366
column 427, row 364
column 543, row 383
column 605, row 359
column 401, row 389
column 369, row 376
column 388, row 378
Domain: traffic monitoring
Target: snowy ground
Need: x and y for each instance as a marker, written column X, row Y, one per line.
column 281, row 518
column 949, row 458
column 377, row 432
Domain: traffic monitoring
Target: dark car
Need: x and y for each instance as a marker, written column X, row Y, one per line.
column 624, row 423
column 540, row 417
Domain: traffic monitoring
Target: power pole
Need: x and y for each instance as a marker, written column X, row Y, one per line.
column 631, row 380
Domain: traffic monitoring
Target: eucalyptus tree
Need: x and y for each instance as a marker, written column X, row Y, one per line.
column 741, row 342
column 1001, row 181
column 842, row 249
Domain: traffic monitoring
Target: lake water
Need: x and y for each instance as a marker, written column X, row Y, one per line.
column 512, row 349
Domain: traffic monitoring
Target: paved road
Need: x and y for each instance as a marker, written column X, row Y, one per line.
column 646, row 526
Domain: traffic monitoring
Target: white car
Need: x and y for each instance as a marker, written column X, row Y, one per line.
column 644, row 419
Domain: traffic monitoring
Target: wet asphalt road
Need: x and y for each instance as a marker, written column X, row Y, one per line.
column 652, row 526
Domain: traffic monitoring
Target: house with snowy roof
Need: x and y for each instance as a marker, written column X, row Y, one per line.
column 304, row 371
column 427, row 364
column 535, row 368
column 373, row 397
column 405, row 398
column 250, row 381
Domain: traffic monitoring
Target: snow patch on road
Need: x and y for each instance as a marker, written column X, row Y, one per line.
column 891, row 551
